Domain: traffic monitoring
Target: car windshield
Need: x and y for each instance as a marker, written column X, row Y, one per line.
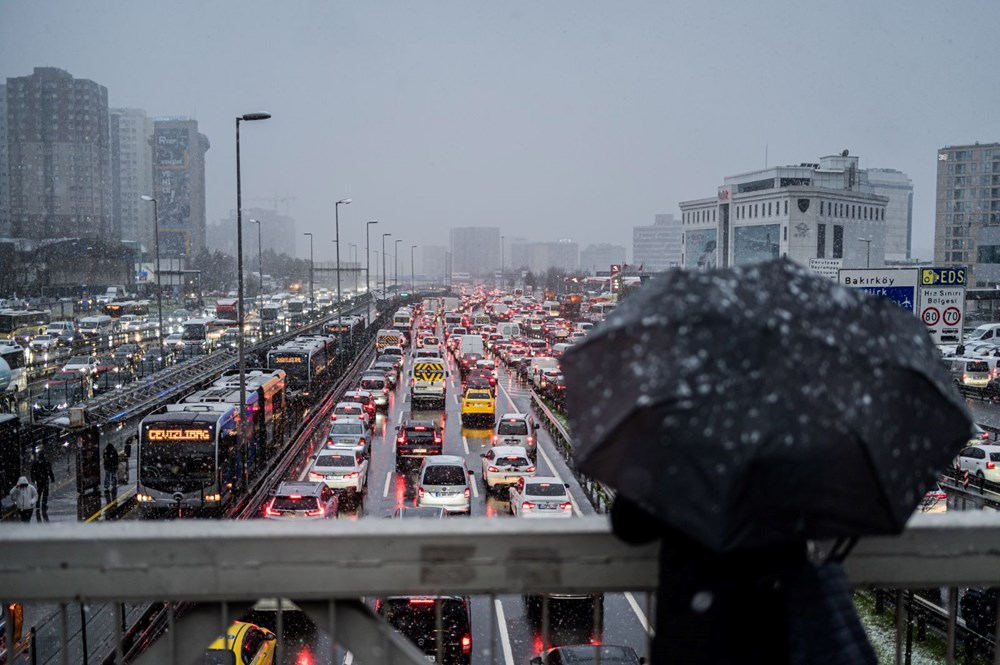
column 335, row 460
column 79, row 360
column 512, row 461
column 347, row 428
column 977, row 366
column 506, row 428
column 416, row 617
column 373, row 384
column 544, row 489
column 440, row 474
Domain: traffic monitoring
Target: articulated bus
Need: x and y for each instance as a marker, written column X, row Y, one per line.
column 13, row 355
column 22, row 326
column 207, row 331
column 348, row 331
column 308, row 361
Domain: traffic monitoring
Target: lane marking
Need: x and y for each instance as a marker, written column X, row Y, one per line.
column 552, row 468
column 508, row 655
column 349, row 658
column 399, row 418
column 388, row 479
column 638, row 611
column 475, row 488
column 465, row 444
column 456, row 399
column 305, row 472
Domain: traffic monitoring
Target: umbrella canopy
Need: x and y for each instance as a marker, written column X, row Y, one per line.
column 763, row 404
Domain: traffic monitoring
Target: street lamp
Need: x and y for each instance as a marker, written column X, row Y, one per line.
column 395, row 266
column 336, row 230
column 385, row 278
column 311, row 301
column 260, row 271
column 368, row 254
column 868, row 259
column 159, row 289
column 246, row 117
column 354, row 250
column 413, row 281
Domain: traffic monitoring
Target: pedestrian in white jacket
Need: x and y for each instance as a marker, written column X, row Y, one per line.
column 24, row 495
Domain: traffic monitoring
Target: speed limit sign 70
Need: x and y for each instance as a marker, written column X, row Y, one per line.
column 952, row 316
column 931, row 316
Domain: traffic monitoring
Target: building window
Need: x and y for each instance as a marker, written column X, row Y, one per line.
column 768, row 208
column 838, row 241
column 786, row 206
column 821, row 241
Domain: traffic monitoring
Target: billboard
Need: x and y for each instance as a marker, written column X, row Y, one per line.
column 754, row 244
column 701, row 249
column 171, row 147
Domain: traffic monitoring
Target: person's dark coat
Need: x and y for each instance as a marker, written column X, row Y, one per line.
column 110, row 458
column 41, row 471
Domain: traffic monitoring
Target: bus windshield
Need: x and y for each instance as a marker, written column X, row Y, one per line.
column 168, row 464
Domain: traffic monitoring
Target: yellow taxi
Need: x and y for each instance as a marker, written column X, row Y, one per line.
column 478, row 407
column 249, row 644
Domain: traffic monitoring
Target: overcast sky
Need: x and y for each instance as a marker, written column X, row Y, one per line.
column 551, row 119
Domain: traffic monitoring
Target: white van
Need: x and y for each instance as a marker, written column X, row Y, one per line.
column 536, row 365
column 509, row 330
column 95, row 326
column 969, row 372
column 988, row 332
column 471, row 344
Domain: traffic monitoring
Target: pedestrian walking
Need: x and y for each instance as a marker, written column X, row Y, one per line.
column 41, row 474
column 24, row 495
column 110, row 468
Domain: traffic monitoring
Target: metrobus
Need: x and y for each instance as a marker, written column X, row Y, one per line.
column 307, row 361
column 118, row 309
column 190, row 457
column 13, row 356
column 205, row 330
column 22, row 326
column 270, row 387
column 347, row 330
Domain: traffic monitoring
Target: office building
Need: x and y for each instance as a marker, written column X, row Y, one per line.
column 804, row 212
column 601, row 257
column 58, row 143
column 433, row 262
column 4, row 174
column 967, row 211
column 898, row 188
column 658, row 246
column 179, row 185
column 475, row 250
column 539, row 257
column 277, row 233
column 131, row 132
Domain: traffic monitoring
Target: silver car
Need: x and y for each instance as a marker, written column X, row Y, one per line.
column 378, row 386
column 445, row 481
column 517, row 429
column 352, row 434
column 301, row 500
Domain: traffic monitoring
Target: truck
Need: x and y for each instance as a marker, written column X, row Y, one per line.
column 427, row 382
column 450, row 303
column 386, row 337
column 432, row 306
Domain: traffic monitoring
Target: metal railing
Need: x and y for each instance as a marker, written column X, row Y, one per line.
column 229, row 565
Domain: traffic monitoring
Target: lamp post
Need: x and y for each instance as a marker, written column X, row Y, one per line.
column 311, row 301
column 354, row 250
column 260, row 274
column 368, row 256
column 336, row 230
column 413, row 281
column 868, row 257
column 385, row 278
column 502, row 285
column 159, row 289
column 247, row 117
column 395, row 265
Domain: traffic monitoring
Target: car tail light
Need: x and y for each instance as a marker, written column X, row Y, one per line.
column 315, row 476
column 385, row 391
column 269, row 510
column 420, row 492
column 437, row 438
column 316, row 513
column 352, row 474
column 468, row 492
column 401, row 438
column 527, row 505
column 991, row 465
column 530, row 469
column 421, row 601
column 492, row 469
column 466, row 643
column 965, row 377
column 566, row 505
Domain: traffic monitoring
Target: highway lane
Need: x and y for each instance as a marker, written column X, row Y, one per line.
column 504, row 629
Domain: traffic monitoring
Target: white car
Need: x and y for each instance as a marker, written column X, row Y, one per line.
column 445, row 481
column 505, row 465
column 517, row 429
column 981, row 461
column 349, row 410
column 341, row 469
column 85, row 364
column 540, row 497
column 43, row 343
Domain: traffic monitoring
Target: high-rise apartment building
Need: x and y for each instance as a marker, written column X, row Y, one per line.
column 4, row 173
column 810, row 211
column 658, row 246
column 538, row 257
column 967, row 213
column 898, row 188
column 433, row 262
column 179, row 182
column 475, row 250
column 277, row 233
column 131, row 175
column 59, row 146
column 601, row 257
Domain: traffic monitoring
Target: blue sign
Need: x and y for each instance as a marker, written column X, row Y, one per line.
column 904, row 296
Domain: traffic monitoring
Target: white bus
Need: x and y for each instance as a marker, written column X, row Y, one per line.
column 13, row 356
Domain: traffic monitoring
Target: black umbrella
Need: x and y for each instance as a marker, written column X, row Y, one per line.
column 764, row 404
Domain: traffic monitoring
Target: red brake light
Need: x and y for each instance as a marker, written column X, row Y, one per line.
column 352, row 474
column 420, row 492
column 991, row 465
column 492, row 469
column 468, row 492
column 566, row 505
column 466, row 644
column 527, row 505
column 421, row 601
column 530, row 469
column 401, row 438
column 420, row 428
column 295, row 496
column 315, row 513
column 269, row 510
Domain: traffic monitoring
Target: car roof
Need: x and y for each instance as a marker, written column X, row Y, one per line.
column 449, row 460
column 510, row 450
column 545, row 479
column 347, row 405
column 414, row 422
column 514, row 416
column 301, row 487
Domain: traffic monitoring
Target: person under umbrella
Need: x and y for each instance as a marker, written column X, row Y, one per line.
column 767, row 407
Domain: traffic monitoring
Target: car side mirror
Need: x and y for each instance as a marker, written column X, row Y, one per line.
column 535, row 425
column 270, row 637
column 313, row 456
column 566, row 485
column 482, row 454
